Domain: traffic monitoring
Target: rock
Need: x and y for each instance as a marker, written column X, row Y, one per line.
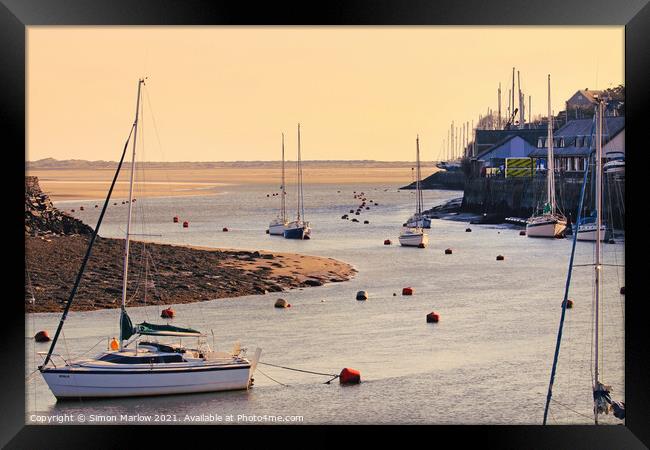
column 313, row 282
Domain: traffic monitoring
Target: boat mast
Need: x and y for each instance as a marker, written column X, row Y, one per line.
column 418, row 201
column 598, row 265
column 550, row 172
column 558, row 342
column 301, row 206
column 128, row 222
column 283, row 206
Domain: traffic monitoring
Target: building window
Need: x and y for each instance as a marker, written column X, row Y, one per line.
column 561, row 142
column 540, row 143
column 578, row 141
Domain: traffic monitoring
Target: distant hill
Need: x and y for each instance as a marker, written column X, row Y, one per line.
column 79, row 164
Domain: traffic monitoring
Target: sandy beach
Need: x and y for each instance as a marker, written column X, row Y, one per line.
column 177, row 274
column 87, row 184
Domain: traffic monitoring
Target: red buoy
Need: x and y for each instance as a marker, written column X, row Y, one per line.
column 224, row 229
column 186, row 224
column 42, row 336
column 350, row 376
column 175, row 219
column 500, row 257
column 407, row 291
column 448, row 251
column 387, row 242
column 433, row 317
column 167, row 313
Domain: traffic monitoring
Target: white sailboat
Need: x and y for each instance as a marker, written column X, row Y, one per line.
column 602, row 400
column 138, row 368
column 413, row 234
column 418, row 220
column 278, row 225
column 589, row 229
column 549, row 223
column 299, row 228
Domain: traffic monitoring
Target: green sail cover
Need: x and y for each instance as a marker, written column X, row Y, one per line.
column 126, row 325
column 152, row 329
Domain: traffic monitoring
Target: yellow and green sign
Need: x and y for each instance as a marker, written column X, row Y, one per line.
column 519, row 167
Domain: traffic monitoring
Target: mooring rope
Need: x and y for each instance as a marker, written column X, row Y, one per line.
column 334, row 376
column 272, row 379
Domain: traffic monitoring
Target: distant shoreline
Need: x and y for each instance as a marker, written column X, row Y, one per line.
column 71, row 184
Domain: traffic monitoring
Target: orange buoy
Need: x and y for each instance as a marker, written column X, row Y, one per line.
column 468, row 230
column 114, row 345
column 407, row 291
column 500, row 257
column 448, row 251
column 167, row 313
column 433, row 317
column 42, row 336
column 569, row 304
column 622, row 290
column 350, row 376
column 224, row 229
column 175, row 219
column 387, row 242
column 522, row 233
column 186, row 224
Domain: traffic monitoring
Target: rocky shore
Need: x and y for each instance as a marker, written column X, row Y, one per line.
column 159, row 274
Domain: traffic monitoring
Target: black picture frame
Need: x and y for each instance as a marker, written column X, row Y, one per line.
column 16, row 15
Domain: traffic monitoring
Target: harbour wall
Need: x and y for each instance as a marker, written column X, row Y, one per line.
column 520, row 197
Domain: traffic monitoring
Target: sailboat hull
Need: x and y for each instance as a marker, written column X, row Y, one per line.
column 414, row 240
column 81, row 382
column 548, row 227
column 587, row 232
column 277, row 229
column 296, row 233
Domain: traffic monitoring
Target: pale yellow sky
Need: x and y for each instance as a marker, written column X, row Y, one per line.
column 226, row 93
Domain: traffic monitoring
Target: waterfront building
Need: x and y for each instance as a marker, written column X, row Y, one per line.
column 571, row 143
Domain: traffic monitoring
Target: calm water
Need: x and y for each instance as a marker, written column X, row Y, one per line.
column 487, row 362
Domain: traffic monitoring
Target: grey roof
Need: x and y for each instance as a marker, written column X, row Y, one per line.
column 581, row 127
